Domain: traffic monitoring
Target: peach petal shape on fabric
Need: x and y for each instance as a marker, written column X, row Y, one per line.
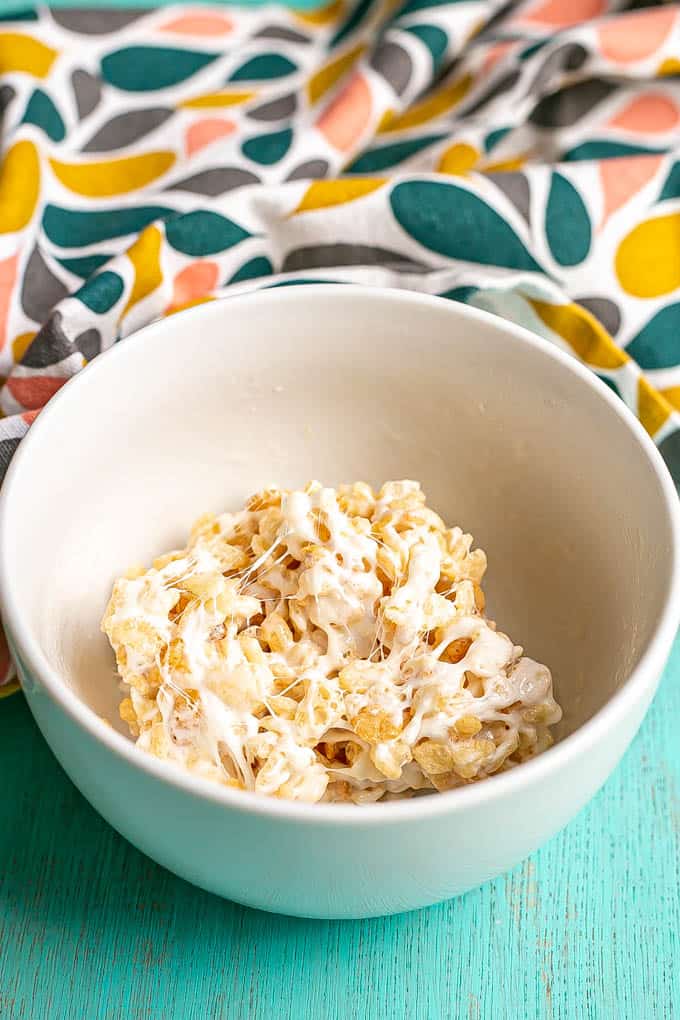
column 198, row 23
column 628, row 38
column 346, row 118
column 623, row 177
column 653, row 113
column 194, row 281
column 203, row 132
column 34, row 391
column 171, row 310
column 8, row 273
column 30, row 416
column 495, row 53
column 561, row 13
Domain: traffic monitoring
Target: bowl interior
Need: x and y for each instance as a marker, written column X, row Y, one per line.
column 343, row 384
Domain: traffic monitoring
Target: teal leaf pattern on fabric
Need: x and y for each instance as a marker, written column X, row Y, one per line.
column 19, row 14
column 73, row 227
column 298, row 282
column 252, row 270
column 149, row 68
column 101, row 292
column 203, row 233
column 567, row 224
column 42, row 112
column 265, row 67
column 456, row 223
column 610, row 383
column 359, row 12
column 533, row 48
column 268, row 149
column 391, row 155
column 434, row 38
column 494, row 137
column 671, row 186
column 412, row 6
column 459, row 293
column 84, row 265
column 605, row 149
column 657, row 345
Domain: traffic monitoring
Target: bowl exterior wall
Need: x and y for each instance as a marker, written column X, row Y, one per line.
column 324, row 870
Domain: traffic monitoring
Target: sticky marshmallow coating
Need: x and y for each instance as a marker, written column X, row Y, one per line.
column 325, row 645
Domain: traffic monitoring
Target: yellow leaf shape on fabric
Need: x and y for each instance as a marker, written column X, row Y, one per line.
column 582, row 332
column 11, row 688
column 330, row 73
column 504, row 165
column 145, row 256
column 648, row 259
column 103, row 179
column 653, row 409
column 20, row 345
column 19, row 186
column 667, row 67
column 23, row 53
column 386, row 119
column 672, row 395
column 323, row 16
column 211, row 100
column 458, row 159
column 429, row 109
column 323, row 194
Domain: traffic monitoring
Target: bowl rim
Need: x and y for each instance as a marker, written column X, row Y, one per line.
column 642, row 678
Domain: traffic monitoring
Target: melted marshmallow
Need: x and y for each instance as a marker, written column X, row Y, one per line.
column 326, row 645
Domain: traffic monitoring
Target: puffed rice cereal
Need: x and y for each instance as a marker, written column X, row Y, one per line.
column 325, row 645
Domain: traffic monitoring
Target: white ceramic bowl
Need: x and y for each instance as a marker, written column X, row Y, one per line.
column 511, row 438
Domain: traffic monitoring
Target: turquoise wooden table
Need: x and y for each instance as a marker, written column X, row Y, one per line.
column 586, row 928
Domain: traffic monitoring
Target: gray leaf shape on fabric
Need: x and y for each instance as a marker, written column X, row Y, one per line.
column 126, row 128
column 275, row 109
column 670, row 451
column 50, row 345
column 8, row 448
column 214, row 182
column 89, row 343
column 504, row 84
column 311, row 170
column 515, row 187
column 394, row 64
column 41, row 289
column 7, row 94
column 604, row 310
column 284, row 34
column 563, row 108
column 324, row 256
column 87, row 90
column 96, row 20
column 568, row 57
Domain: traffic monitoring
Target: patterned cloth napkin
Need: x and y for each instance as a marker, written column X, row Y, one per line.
column 518, row 157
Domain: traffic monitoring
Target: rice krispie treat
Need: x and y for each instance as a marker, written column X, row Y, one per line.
column 326, row 645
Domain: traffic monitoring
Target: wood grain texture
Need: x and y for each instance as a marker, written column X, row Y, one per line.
column 586, row 928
